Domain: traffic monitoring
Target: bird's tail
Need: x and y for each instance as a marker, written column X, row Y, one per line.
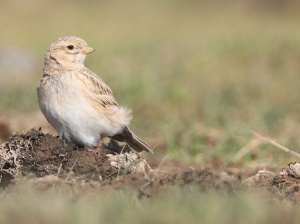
column 131, row 139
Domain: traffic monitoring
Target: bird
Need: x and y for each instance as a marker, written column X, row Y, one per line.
column 78, row 103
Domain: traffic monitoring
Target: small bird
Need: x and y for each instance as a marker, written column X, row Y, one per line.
column 77, row 103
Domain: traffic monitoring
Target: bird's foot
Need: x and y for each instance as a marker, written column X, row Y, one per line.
column 96, row 150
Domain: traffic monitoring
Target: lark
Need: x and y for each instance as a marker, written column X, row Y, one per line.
column 79, row 104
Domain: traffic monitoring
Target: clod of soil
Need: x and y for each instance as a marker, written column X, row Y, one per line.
column 287, row 181
column 36, row 154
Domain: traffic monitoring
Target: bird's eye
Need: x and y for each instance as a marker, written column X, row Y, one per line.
column 71, row 47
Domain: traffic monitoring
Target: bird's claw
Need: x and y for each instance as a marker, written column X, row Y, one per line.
column 96, row 150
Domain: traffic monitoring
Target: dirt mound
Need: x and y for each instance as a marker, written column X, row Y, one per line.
column 46, row 163
column 144, row 184
column 36, row 154
column 186, row 179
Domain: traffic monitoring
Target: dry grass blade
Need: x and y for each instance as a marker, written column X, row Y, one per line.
column 100, row 178
column 59, row 169
column 157, row 170
column 119, row 162
column 285, row 149
column 251, row 145
column 135, row 163
column 150, row 181
column 71, row 170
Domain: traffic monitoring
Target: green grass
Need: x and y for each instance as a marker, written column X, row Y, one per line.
column 28, row 206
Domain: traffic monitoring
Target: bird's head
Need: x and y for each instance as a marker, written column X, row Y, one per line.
column 68, row 51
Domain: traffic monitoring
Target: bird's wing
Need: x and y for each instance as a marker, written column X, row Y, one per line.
column 97, row 91
column 100, row 96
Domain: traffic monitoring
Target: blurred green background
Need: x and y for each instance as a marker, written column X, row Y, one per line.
column 198, row 75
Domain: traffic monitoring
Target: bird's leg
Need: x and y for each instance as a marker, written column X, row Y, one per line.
column 99, row 145
column 98, row 148
column 70, row 149
column 68, row 146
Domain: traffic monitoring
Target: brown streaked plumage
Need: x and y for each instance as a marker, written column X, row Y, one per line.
column 77, row 103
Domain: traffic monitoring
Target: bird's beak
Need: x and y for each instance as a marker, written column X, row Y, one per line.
column 88, row 50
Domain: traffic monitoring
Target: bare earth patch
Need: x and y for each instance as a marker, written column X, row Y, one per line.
column 36, row 154
column 44, row 161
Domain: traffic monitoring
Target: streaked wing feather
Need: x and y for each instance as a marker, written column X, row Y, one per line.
column 100, row 92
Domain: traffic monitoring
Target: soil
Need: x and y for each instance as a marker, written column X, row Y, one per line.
column 45, row 161
column 287, row 181
column 36, row 154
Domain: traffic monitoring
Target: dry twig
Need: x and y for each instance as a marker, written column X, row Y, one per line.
column 285, row 149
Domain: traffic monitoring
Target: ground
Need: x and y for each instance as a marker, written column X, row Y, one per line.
column 46, row 161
